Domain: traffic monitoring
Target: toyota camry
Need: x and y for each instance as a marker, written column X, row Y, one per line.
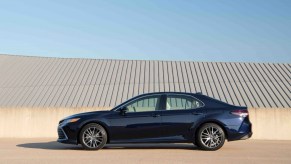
column 162, row 117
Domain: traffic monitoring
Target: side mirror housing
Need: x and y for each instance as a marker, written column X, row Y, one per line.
column 123, row 111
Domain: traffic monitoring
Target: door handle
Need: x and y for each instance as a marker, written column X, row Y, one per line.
column 156, row 115
column 197, row 113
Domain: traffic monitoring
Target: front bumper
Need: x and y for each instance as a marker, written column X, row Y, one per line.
column 63, row 137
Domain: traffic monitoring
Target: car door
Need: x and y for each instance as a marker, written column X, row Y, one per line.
column 141, row 119
column 180, row 114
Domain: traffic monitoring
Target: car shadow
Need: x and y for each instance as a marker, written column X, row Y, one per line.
column 53, row 145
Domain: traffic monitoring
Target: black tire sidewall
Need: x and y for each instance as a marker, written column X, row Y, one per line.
column 198, row 137
column 103, row 132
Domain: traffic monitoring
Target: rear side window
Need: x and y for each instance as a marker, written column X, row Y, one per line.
column 182, row 102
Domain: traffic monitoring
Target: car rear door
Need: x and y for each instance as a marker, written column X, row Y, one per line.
column 141, row 120
column 180, row 114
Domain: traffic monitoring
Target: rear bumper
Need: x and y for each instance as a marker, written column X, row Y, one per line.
column 240, row 136
column 247, row 136
column 243, row 132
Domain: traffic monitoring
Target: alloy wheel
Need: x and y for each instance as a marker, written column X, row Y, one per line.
column 211, row 137
column 92, row 137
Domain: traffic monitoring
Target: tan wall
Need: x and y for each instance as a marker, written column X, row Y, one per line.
column 273, row 124
column 35, row 122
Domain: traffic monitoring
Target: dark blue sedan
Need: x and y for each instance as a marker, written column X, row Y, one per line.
column 168, row 117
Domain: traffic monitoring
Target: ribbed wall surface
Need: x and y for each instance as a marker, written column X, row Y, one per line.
column 58, row 82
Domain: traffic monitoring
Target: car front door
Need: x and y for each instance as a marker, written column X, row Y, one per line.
column 181, row 113
column 140, row 120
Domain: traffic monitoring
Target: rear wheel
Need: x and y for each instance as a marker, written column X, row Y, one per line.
column 93, row 137
column 210, row 137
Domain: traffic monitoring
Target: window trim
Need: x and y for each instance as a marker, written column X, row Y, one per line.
column 203, row 105
column 138, row 98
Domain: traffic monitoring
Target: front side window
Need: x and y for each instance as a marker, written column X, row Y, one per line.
column 182, row 102
column 146, row 104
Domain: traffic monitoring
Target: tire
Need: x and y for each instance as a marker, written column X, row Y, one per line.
column 210, row 137
column 93, row 137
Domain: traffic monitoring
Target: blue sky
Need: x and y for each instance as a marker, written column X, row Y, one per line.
column 204, row 30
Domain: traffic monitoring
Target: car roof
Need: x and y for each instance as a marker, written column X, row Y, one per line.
column 152, row 93
column 189, row 93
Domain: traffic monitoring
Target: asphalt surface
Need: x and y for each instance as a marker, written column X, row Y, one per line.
column 41, row 151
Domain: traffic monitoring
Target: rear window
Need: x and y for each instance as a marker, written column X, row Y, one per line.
column 182, row 102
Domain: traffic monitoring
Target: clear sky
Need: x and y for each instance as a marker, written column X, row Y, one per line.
column 202, row 30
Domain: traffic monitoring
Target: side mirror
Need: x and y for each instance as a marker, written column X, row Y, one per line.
column 123, row 111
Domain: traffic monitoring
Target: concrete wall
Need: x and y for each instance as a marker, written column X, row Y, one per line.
column 34, row 122
column 273, row 124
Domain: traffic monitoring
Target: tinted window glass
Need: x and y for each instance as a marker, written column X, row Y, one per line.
column 175, row 102
column 144, row 104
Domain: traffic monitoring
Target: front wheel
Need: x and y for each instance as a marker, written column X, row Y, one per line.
column 210, row 137
column 93, row 137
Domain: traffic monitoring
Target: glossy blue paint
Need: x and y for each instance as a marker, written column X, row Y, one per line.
column 161, row 125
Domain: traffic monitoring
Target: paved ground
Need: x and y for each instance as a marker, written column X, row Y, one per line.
column 48, row 151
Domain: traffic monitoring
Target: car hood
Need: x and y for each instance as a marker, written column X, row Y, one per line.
column 80, row 115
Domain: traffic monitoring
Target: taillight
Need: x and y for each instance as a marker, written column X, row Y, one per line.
column 241, row 113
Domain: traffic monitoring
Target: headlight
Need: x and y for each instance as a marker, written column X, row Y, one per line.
column 70, row 120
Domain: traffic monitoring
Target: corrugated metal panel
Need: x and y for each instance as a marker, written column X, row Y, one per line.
column 136, row 79
column 161, row 76
column 185, row 77
column 251, row 83
column 282, row 93
column 240, row 82
column 101, row 95
column 205, row 80
column 141, row 75
column 225, row 92
column 234, row 84
column 200, row 78
column 96, row 81
column 211, row 80
column 59, row 82
column 156, row 76
column 78, row 85
column 126, row 76
column 194, row 77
